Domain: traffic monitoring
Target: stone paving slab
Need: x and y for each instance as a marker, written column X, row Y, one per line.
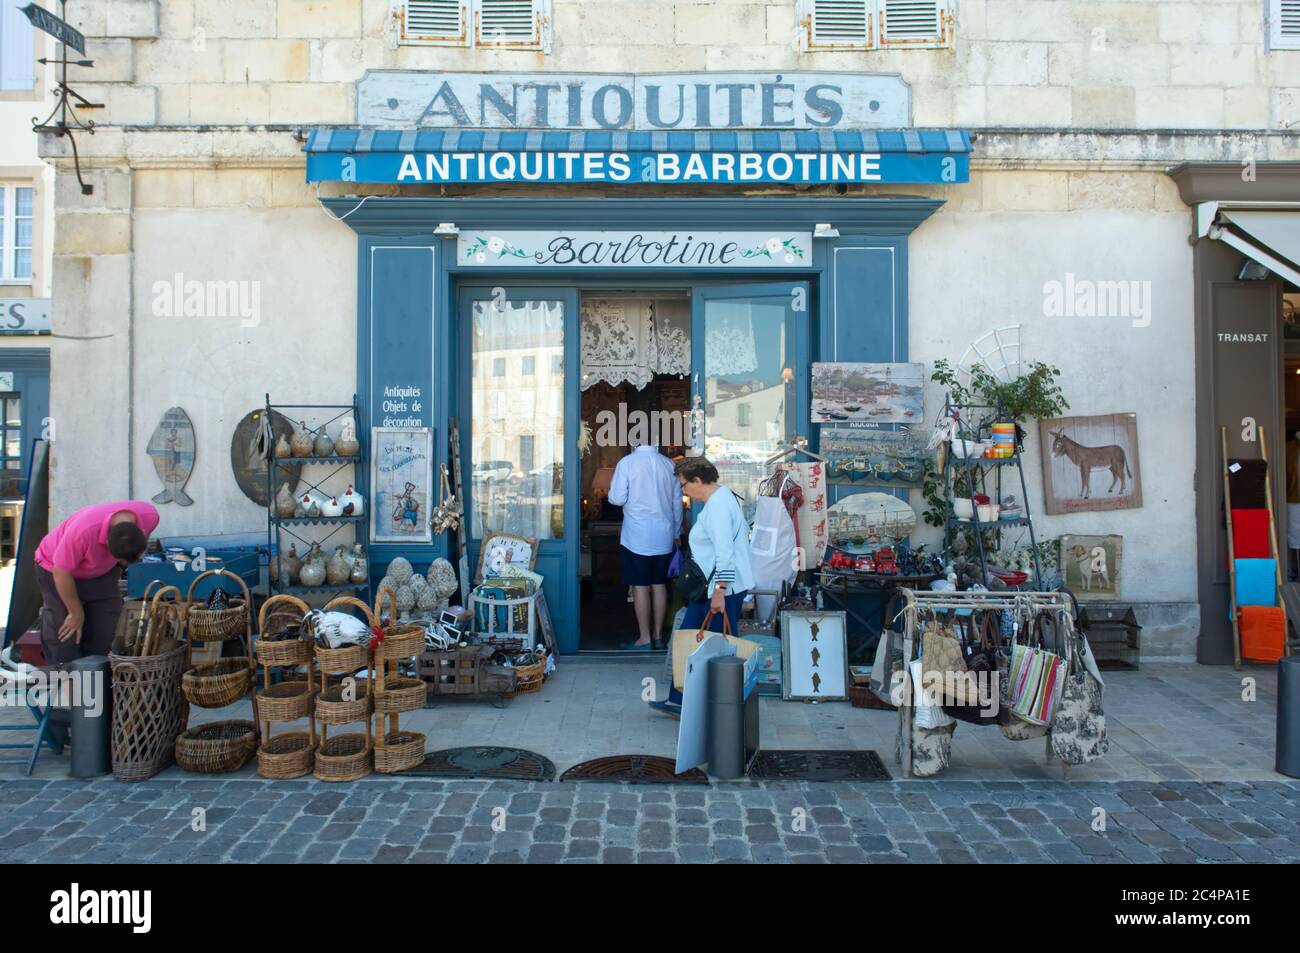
column 388, row 820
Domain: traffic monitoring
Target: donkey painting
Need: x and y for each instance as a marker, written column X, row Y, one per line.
column 1087, row 459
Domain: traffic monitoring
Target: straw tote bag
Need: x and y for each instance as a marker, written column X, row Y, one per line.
column 686, row 641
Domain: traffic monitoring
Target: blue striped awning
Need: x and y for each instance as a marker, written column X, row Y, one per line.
column 795, row 156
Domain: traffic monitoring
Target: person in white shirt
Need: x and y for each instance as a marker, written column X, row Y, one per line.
column 645, row 486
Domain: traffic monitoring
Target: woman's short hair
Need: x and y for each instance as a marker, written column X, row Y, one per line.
column 697, row 468
column 127, row 541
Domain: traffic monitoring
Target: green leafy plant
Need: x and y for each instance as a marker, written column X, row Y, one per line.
column 1033, row 395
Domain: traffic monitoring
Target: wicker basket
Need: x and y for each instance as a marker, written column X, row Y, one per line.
column 281, row 613
column 218, row 625
column 331, row 709
column 286, row 701
column 216, row 748
column 149, row 711
column 343, row 758
column 528, row 679
column 401, row 694
column 400, row 640
column 286, row 756
column 218, row 684
column 400, row 751
column 349, row 658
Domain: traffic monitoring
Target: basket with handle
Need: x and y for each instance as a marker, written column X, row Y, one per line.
column 218, row 625
column 400, row 751
column 217, row 747
column 399, row 640
column 348, row 658
column 279, row 614
column 345, row 757
column 149, row 712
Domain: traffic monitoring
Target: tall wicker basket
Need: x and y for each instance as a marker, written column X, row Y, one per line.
column 291, row 754
column 395, row 749
column 348, row 756
column 149, row 712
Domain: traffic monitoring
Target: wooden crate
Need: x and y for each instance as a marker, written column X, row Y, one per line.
column 451, row 672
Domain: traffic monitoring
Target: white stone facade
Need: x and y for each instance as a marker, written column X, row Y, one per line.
column 1079, row 107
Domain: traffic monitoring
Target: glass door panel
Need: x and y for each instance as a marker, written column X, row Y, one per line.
column 747, row 359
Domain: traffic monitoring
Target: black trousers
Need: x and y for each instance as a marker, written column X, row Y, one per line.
column 102, row 604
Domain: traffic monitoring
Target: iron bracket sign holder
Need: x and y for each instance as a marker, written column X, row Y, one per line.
column 68, row 122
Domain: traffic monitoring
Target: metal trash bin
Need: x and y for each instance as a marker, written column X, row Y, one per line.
column 90, row 726
column 1288, row 716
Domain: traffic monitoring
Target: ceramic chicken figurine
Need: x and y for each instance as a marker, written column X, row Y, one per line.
column 354, row 504
column 331, row 508
column 337, row 629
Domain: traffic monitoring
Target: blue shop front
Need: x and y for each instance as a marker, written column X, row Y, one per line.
column 552, row 333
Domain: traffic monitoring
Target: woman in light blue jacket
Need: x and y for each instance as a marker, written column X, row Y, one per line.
column 720, row 547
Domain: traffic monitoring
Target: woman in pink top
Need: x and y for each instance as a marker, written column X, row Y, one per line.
column 78, row 566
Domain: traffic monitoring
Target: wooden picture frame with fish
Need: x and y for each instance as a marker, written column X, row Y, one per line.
column 1090, row 463
column 814, row 656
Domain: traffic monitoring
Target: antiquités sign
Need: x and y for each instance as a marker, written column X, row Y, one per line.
column 634, row 249
column 652, row 101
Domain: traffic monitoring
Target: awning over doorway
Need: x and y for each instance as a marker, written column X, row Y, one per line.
column 1268, row 236
column 414, row 156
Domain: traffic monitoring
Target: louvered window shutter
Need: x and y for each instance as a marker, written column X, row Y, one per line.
column 17, row 50
column 444, row 22
column 920, row 23
column 516, row 23
column 1283, row 24
column 838, row 24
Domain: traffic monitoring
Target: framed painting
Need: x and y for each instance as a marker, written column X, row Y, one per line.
column 814, row 656
column 544, row 624
column 401, row 481
column 1090, row 566
column 504, row 549
column 1090, row 463
column 874, row 457
column 867, row 393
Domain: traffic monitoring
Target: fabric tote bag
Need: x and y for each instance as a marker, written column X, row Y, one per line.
column 686, row 641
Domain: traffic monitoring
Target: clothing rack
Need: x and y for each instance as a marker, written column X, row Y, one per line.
column 915, row 603
column 798, row 445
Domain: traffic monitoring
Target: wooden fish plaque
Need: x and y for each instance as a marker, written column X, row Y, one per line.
column 172, row 450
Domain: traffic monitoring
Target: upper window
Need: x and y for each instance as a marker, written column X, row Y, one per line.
column 1283, row 24
column 875, row 24
column 17, row 50
column 513, row 24
column 16, row 233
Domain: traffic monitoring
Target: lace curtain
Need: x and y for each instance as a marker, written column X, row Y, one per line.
column 630, row 340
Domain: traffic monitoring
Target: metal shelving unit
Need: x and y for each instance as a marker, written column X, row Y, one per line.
column 979, row 472
column 279, row 527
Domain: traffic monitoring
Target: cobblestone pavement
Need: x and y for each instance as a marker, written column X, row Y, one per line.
column 429, row 821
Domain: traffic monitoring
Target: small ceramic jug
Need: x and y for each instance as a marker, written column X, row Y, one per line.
column 347, row 445
column 301, row 444
column 323, row 446
column 284, row 502
column 282, row 447
column 337, row 569
column 360, row 570
column 290, row 565
column 313, row 567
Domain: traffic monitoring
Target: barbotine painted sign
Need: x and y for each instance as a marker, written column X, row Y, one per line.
column 633, row 249
column 651, row 101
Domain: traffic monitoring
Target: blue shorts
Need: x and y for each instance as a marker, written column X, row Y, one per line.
column 641, row 570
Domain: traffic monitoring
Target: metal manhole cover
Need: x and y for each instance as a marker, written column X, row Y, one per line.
column 800, row 765
column 485, row 761
column 633, row 769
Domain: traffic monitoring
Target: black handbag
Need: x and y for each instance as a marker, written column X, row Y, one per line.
column 691, row 583
column 982, row 661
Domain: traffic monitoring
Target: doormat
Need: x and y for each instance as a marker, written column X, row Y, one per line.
column 514, row 764
column 818, row 766
column 633, row 769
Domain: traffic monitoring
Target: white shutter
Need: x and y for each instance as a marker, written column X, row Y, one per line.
column 17, row 50
column 838, row 24
column 916, row 23
column 514, row 23
column 444, row 22
column 1283, row 24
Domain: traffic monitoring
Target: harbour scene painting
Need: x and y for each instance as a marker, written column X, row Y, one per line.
column 867, row 393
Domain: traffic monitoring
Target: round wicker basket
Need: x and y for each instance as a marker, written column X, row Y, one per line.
column 216, row 748
column 400, row 640
column 342, row 661
column 528, row 679
column 343, row 758
column 218, row 684
column 286, row 756
column 401, row 751
column 331, row 709
column 217, row 625
column 286, row 701
column 281, row 614
column 401, row 694
column 286, row 652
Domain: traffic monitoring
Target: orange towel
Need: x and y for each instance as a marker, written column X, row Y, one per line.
column 1263, row 632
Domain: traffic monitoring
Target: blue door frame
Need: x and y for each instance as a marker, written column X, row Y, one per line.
column 407, row 304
